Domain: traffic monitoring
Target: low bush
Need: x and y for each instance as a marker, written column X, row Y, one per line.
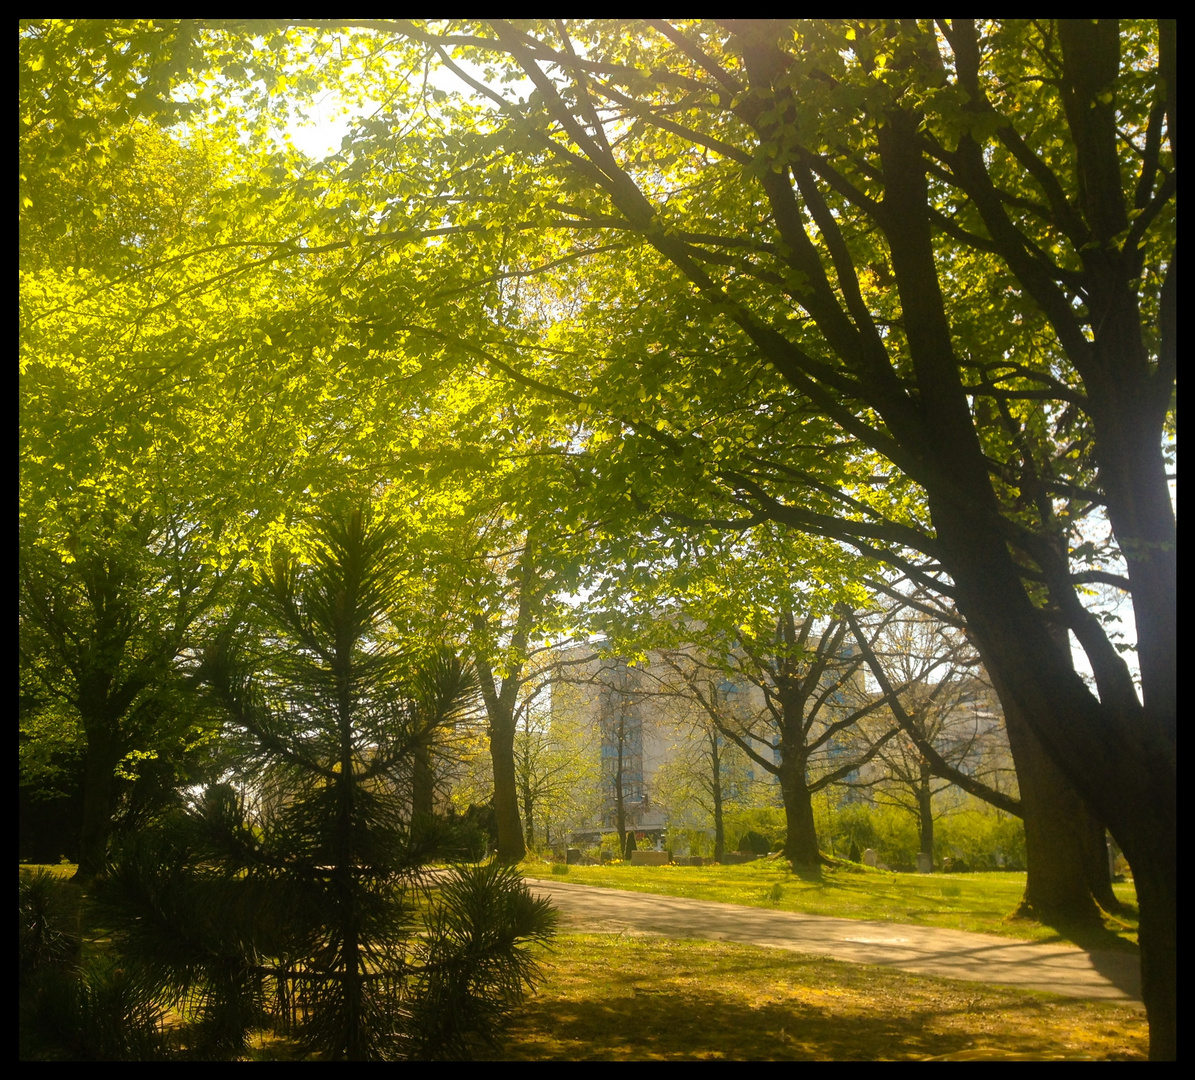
column 687, row 841
column 984, row 840
column 768, row 821
column 754, row 842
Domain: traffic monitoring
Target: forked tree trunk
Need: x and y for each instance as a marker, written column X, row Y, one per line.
column 500, row 711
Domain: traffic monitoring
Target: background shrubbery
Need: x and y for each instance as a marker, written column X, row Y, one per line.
column 766, row 821
column 981, row 837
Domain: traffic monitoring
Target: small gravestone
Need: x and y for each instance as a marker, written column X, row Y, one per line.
column 572, row 856
column 870, row 858
column 925, row 865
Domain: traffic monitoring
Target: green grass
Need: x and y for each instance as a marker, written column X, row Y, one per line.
column 618, row 998
column 982, row 903
column 608, row 997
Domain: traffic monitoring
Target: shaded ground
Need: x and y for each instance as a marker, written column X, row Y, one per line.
column 618, row 997
column 956, row 954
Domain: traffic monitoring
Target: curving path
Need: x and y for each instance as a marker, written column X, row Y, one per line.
column 927, row 950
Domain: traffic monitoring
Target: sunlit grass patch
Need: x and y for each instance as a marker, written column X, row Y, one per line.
column 981, row 902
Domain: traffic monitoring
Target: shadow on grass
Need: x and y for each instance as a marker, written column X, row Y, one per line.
column 646, row 1000
column 1090, row 938
column 811, row 875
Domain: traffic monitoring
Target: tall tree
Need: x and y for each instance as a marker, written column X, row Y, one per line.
column 704, row 767
column 1064, row 842
column 949, row 706
column 102, row 631
column 910, row 285
column 317, row 854
column 803, row 730
column 894, row 220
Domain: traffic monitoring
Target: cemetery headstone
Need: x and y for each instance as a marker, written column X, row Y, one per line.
column 640, row 857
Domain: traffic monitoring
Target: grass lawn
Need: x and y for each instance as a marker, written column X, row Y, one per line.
column 608, row 998
column 982, row 903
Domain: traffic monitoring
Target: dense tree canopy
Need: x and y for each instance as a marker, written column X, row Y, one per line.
column 902, row 286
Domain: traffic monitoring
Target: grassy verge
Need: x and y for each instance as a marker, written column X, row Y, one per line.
column 608, row 998
column 981, row 903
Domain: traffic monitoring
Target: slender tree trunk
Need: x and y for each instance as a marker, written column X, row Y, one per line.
column 528, row 817
column 620, row 810
column 716, row 792
column 346, row 875
column 925, row 811
column 423, row 784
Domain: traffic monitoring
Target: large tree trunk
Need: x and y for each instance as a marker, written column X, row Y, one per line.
column 511, row 848
column 99, row 792
column 1058, row 829
column 1119, row 757
column 800, row 844
column 1157, row 890
column 500, row 711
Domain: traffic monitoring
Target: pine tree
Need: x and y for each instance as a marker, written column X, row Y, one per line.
column 291, row 895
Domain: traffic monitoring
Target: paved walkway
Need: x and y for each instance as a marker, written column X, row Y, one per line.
column 927, row 950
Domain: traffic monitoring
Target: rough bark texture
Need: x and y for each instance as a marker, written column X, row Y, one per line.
column 1122, row 764
column 1057, row 824
column 800, row 844
column 511, row 847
